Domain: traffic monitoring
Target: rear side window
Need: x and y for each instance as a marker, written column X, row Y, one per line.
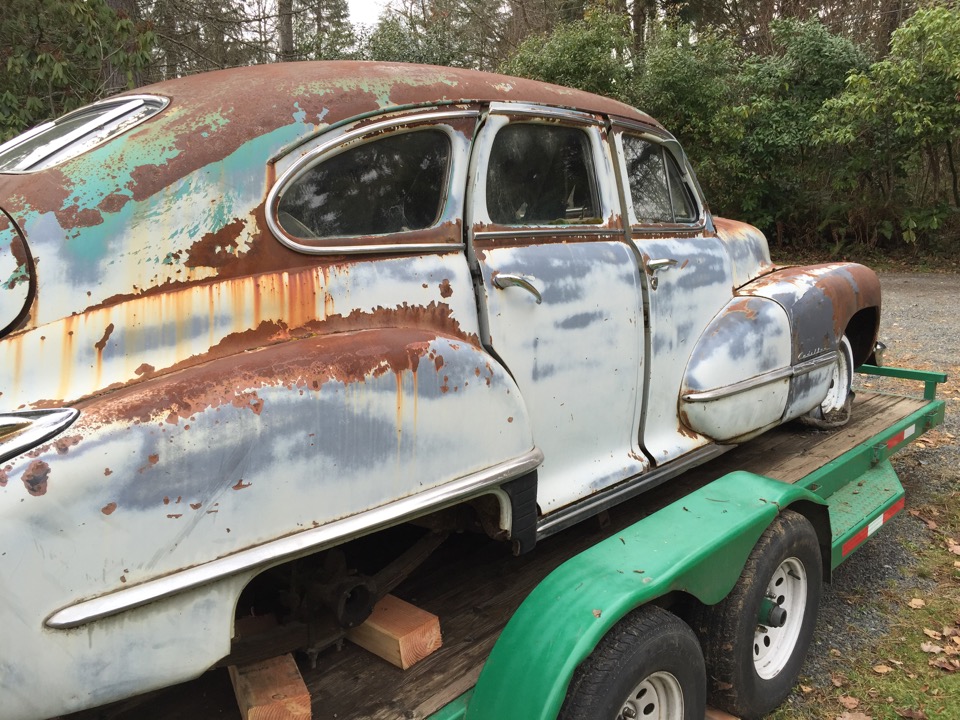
column 391, row 184
column 75, row 133
column 657, row 189
column 541, row 175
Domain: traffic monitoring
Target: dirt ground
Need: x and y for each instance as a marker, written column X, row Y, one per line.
column 921, row 326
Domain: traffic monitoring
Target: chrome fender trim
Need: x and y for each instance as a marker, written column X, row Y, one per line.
column 297, row 545
column 802, row 368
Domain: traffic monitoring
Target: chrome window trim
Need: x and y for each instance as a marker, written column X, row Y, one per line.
column 600, row 155
column 297, row 545
column 807, row 366
column 134, row 102
column 547, row 112
column 314, row 156
column 669, row 145
column 547, row 231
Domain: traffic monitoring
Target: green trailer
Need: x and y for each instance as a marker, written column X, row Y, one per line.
column 705, row 589
column 707, row 586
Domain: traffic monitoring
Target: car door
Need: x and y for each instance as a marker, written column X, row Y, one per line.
column 688, row 277
column 560, row 292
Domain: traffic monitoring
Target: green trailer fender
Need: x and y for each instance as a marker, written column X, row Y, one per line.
column 699, row 545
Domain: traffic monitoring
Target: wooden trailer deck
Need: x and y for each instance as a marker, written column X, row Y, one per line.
column 474, row 586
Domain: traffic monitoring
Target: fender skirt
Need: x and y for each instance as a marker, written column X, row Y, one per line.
column 567, row 614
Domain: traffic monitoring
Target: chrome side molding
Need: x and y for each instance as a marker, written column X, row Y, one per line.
column 25, row 430
column 297, row 545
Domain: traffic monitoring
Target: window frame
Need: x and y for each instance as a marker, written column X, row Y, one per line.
column 504, row 114
column 444, row 235
column 671, row 151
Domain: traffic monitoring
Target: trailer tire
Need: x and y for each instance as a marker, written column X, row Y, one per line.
column 648, row 665
column 753, row 666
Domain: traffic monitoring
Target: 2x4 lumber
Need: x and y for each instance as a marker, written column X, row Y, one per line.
column 271, row 690
column 400, row 633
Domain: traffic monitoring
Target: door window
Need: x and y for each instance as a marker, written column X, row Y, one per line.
column 541, row 175
column 657, row 189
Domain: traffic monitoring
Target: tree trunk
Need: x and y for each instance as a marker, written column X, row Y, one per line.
column 953, row 174
column 285, row 29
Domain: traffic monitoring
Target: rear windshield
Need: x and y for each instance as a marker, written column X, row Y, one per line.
column 54, row 142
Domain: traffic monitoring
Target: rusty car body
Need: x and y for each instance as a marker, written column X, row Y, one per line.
column 251, row 315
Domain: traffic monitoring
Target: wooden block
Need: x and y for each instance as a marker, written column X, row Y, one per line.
column 400, row 633
column 714, row 714
column 271, row 690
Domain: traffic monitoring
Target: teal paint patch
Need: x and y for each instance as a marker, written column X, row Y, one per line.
column 699, row 545
column 379, row 88
column 130, row 247
column 20, row 275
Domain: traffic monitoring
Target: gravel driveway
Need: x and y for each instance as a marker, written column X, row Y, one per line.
column 921, row 326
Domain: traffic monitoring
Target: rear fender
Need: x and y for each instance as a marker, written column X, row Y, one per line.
column 247, row 452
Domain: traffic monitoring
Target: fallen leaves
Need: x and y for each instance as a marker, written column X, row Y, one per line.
column 850, row 703
column 854, row 716
column 931, row 648
column 911, row 713
column 917, row 603
column 882, row 669
column 947, row 665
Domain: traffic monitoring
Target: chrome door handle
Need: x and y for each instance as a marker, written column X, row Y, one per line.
column 654, row 266
column 505, row 280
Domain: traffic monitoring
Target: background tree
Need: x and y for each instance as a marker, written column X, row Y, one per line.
column 899, row 126
column 57, row 55
column 591, row 54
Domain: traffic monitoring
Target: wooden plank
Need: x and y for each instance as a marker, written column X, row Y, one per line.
column 271, row 690
column 400, row 633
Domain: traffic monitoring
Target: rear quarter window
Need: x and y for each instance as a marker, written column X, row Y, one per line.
column 390, row 184
column 73, row 134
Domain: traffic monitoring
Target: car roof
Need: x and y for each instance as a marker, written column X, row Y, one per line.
column 330, row 92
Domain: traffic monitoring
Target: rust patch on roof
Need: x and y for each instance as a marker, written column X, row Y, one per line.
column 445, row 289
column 113, row 202
column 108, row 508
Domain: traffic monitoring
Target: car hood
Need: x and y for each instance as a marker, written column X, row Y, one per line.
column 17, row 282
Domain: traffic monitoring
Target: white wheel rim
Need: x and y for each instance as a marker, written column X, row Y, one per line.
column 840, row 380
column 774, row 646
column 658, row 697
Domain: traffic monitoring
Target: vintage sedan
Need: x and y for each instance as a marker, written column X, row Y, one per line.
column 250, row 316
